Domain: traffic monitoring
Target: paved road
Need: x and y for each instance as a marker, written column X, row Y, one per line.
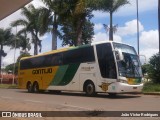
column 20, row 100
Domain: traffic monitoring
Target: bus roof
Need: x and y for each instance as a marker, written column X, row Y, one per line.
column 71, row 48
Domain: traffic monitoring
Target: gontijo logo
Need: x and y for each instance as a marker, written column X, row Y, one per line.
column 42, row 71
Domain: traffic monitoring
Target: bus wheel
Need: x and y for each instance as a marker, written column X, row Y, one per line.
column 35, row 87
column 29, row 87
column 90, row 89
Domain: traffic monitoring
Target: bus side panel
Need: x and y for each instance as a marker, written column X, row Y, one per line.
column 48, row 78
column 63, row 77
column 26, row 76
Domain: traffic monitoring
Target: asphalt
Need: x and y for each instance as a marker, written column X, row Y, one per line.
column 151, row 93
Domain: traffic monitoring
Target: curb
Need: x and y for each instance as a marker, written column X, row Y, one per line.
column 152, row 93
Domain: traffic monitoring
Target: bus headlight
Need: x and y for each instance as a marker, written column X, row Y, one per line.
column 122, row 81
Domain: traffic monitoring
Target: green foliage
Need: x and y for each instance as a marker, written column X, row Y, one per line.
column 49, row 22
column 11, row 66
column 72, row 17
column 145, row 68
column 6, row 37
column 8, row 86
column 69, row 35
column 75, row 23
column 22, row 55
column 22, row 42
column 154, row 68
column 30, row 24
column 151, row 87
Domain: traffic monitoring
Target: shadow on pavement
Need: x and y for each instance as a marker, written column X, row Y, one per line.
column 99, row 95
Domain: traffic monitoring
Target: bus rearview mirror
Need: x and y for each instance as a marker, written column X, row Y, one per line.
column 119, row 55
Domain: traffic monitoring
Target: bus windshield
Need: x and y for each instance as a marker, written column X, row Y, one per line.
column 130, row 66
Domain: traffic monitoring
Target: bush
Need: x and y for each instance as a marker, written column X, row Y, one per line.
column 151, row 87
column 154, row 68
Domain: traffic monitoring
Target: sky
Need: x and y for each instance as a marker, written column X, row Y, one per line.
column 126, row 20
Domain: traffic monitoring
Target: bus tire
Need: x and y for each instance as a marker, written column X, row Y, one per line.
column 35, row 87
column 90, row 89
column 29, row 87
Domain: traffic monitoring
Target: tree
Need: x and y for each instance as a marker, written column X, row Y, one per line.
column 111, row 6
column 5, row 39
column 11, row 66
column 22, row 42
column 69, row 35
column 145, row 68
column 77, row 15
column 154, row 68
column 50, row 18
column 31, row 25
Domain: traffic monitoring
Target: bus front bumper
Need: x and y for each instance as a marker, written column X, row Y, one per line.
column 124, row 88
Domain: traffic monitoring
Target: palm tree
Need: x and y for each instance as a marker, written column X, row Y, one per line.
column 80, row 14
column 77, row 19
column 22, row 42
column 5, row 39
column 77, row 13
column 50, row 18
column 59, row 12
column 111, row 6
column 31, row 25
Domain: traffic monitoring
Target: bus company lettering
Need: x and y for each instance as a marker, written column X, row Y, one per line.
column 42, row 71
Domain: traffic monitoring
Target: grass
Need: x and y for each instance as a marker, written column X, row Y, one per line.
column 151, row 87
column 8, row 86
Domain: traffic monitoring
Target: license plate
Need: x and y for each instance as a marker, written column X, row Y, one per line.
column 134, row 87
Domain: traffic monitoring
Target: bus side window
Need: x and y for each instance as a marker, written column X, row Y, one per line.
column 57, row 59
column 106, row 60
column 80, row 55
column 53, row 60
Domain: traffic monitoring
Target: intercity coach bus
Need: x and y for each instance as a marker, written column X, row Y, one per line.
column 104, row 67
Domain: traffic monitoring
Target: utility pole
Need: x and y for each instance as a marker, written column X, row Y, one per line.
column 13, row 81
column 137, row 27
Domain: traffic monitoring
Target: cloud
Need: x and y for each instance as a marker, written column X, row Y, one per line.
column 100, row 36
column 38, row 3
column 149, row 43
column 149, row 39
column 5, row 23
column 100, row 14
column 9, row 59
column 130, row 28
column 130, row 9
column 148, row 53
column 98, row 27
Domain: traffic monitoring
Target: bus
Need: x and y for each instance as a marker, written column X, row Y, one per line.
column 104, row 67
